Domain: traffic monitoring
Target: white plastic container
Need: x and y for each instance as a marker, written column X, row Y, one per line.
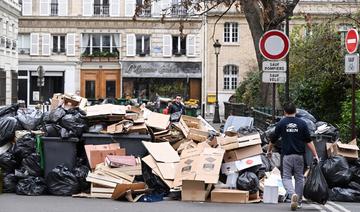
column 271, row 194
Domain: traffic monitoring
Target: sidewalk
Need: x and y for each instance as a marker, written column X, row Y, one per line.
column 209, row 118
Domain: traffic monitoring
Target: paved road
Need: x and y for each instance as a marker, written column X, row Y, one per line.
column 15, row 203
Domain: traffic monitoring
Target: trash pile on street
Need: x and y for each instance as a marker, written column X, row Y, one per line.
column 133, row 154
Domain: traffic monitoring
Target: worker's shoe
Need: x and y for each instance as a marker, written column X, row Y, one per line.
column 294, row 202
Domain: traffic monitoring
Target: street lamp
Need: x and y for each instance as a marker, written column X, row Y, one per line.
column 217, row 47
column 287, row 20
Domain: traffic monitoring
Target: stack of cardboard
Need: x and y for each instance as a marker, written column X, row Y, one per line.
column 241, row 152
column 194, row 128
column 163, row 160
column 67, row 101
column 96, row 154
column 198, row 170
column 350, row 151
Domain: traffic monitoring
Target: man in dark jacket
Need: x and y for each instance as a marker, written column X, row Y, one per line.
column 295, row 136
column 177, row 106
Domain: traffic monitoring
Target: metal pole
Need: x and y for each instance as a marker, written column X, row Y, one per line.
column 353, row 122
column 287, row 95
column 273, row 102
column 216, row 114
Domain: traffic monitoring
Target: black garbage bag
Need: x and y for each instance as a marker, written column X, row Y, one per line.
column 32, row 164
column 60, row 181
column 305, row 114
column 81, row 173
column 64, row 133
column 52, row 130
column 355, row 169
column 75, row 111
column 31, row 186
column 8, row 162
column 10, row 182
column 46, row 118
column 316, row 187
column 29, row 119
column 336, row 171
column 152, row 181
column 24, row 147
column 331, row 131
column 354, row 185
column 56, row 115
column 248, row 181
column 22, row 173
column 344, row 195
column 97, row 128
column 8, row 126
column 275, row 160
column 75, row 123
column 310, row 124
column 266, row 163
column 7, row 111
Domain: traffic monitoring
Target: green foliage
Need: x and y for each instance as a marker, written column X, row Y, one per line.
column 345, row 123
column 317, row 79
column 248, row 91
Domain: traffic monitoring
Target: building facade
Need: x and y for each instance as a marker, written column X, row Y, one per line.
column 9, row 15
column 94, row 48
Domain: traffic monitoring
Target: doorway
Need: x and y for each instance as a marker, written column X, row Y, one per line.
column 100, row 84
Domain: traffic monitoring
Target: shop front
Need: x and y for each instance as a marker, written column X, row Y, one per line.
column 145, row 80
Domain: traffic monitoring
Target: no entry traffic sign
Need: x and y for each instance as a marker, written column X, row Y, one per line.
column 352, row 41
column 274, row 45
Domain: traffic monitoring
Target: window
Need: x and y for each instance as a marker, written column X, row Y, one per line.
column 54, row 7
column 24, row 43
column 142, row 45
column 2, row 87
column 178, row 8
column 53, row 84
column 230, row 77
column 2, row 42
column 179, row 45
column 14, row 45
column 8, row 43
column 101, row 7
column 231, row 32
column 95, row 43
column 58, row 44
column 14, row 87
column 146, row 10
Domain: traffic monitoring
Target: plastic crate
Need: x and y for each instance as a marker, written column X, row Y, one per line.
column 59, row 151
column 131, row 142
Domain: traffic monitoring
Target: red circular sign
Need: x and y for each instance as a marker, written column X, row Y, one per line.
column 352, row 41
column 274, row 45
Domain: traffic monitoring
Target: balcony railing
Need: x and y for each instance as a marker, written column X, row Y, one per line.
column 145, row 12
column 101, row 9
column 58, row 51
column 178, row 11
column 24, row 50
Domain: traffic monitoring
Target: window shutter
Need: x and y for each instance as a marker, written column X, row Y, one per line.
column 70, row 44
column 44, row 7
column 130, row 6
column 88, row 9
column 167, row 45
column 63, row 7
column 27, row 7
column 190, row 45
column 45, row 44
column 155, row 8
column 115, row 8
column 34, row 44
column 130, row 45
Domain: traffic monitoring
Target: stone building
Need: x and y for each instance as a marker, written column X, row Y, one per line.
column 96, row 49
column 9, row 15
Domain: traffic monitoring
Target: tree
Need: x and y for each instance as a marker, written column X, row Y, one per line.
column 261, row 15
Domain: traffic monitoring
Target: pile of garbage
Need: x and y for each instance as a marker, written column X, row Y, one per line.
column 133, row 154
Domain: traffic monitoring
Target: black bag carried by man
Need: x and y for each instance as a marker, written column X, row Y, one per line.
column 316, row 187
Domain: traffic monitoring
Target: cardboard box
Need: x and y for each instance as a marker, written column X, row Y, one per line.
column 150, row 161
column 202, row 163
column 57, row 100
column 232, row 167
column 193, row 128
column 156, row 120
column 230, row 143
column 349, row 151
column 105, row 109
column 242, row 153
column 97, row 153
column 195, row 191
column 229, row 196
column 121, row 189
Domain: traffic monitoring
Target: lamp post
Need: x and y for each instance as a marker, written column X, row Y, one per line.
column 217, row 47
column 287, row 20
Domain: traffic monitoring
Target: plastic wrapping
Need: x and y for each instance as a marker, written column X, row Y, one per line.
column 336, row 171
column 344, row 195
column 31, row 186
column 56, row 115
column 60, row 181
column 8, row 126
column 32, row 164
column 52, row 130
column 24, row 147
column 29, row 119
column 81, row 172
column 10, row 182
column 7, row 111
column 316, row 187
column 74, row 123
column 8, row 162
column 248, row 181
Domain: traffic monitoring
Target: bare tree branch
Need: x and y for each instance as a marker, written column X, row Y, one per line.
column 218, row 19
